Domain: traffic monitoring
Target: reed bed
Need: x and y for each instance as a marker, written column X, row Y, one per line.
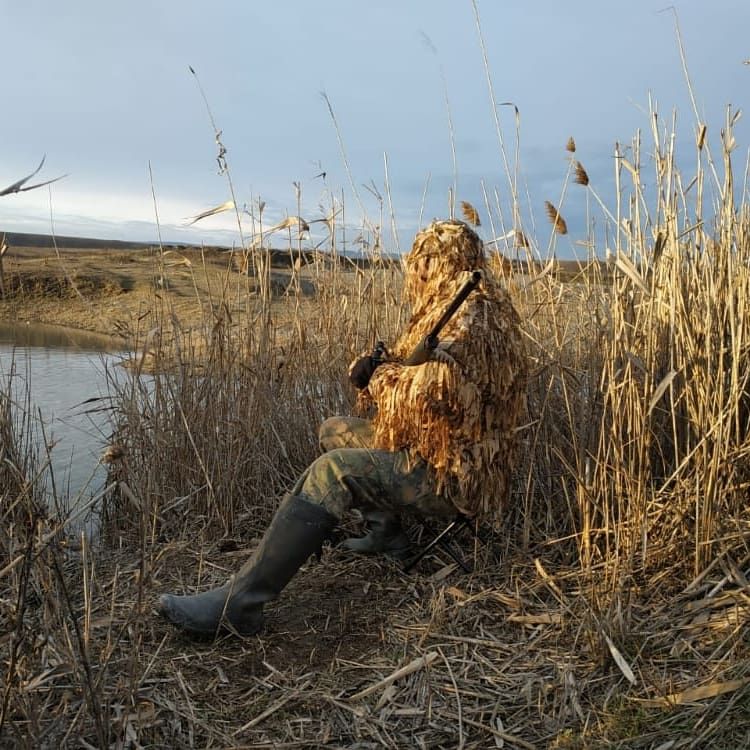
column 611, row 609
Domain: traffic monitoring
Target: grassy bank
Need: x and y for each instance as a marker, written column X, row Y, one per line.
column 609, row 610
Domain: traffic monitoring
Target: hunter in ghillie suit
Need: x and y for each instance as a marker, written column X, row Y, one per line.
column 440, row 442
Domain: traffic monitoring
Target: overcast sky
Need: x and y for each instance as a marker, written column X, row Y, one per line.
column 104, row 89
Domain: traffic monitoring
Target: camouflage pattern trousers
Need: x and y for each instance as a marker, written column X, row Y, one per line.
column 353, row 474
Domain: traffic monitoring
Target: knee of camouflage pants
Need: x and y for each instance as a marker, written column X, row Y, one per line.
column 368, row 479
column 345, row 432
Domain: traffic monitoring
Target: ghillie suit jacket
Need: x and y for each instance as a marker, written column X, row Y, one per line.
column 459, row 411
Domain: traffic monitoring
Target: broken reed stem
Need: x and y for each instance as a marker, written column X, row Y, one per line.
column 413, row 666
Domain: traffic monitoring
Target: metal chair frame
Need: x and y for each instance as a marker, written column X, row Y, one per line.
column 444, row 539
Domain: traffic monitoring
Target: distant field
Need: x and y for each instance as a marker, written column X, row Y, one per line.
column 563, row 269
column 24, row 239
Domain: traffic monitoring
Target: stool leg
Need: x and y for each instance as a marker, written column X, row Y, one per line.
column 443, row 537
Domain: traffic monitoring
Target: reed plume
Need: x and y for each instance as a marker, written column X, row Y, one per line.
column 580, row 176
column 470, row 214
column 557, row 220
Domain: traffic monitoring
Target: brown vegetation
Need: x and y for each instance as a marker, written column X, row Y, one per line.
column 611, row 610
column 122, row 293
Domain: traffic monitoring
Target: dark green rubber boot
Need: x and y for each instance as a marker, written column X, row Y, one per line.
column 297, row 530
column 384, row 537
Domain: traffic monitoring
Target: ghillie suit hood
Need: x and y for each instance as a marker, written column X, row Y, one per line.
column 458, row 411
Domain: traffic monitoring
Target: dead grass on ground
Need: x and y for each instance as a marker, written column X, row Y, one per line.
column 358, row 654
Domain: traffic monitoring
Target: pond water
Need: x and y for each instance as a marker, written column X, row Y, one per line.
column 62, row 369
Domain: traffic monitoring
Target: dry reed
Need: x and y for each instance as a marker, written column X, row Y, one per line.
column 610, row 611
column 556, row 220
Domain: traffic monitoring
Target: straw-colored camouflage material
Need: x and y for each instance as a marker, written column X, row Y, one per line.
column 351, row 474
column 459, row 411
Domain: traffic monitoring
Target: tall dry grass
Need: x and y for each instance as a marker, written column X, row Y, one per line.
column 639, row 410
column 226, row 415
column 631, row 481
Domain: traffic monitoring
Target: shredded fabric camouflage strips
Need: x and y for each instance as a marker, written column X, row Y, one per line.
column 459, row 411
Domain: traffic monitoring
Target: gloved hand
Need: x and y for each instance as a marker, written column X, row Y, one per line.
column 362, row 371
column 364, row 367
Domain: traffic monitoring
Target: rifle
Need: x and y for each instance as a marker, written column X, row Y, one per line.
column 423, row 350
